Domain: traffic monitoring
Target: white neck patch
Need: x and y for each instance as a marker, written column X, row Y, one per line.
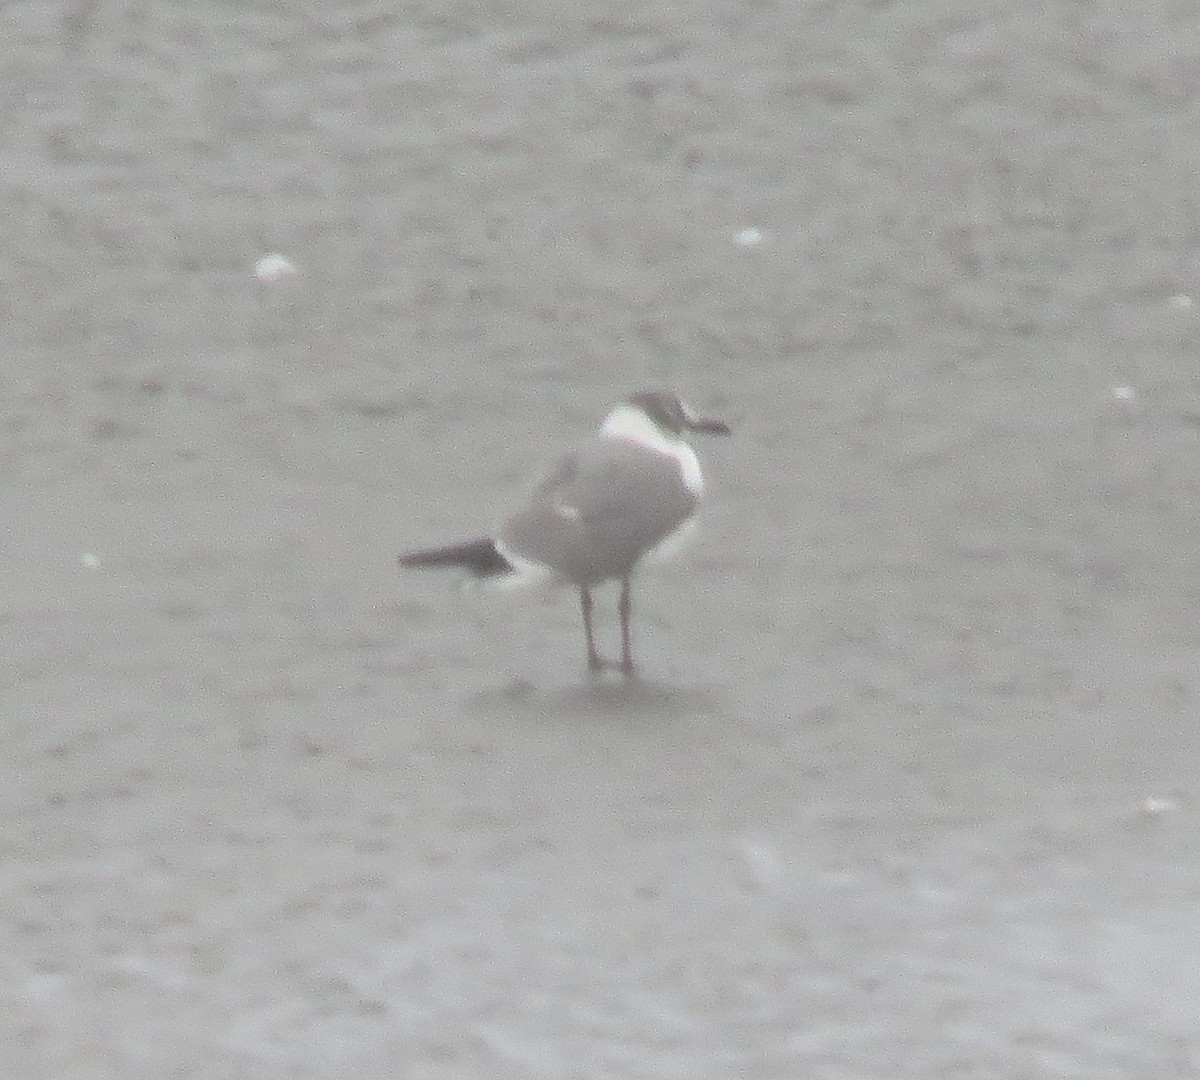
column 630, row 423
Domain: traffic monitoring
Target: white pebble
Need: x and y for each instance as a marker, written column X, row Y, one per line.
column 1124, row 393
column 274, row 267
column 748, row 237
column 1179, row 300
column 767, row 872
column 89, row 560
column 1155, row 805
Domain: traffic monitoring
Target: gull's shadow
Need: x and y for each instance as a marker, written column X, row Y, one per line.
column 599, row 697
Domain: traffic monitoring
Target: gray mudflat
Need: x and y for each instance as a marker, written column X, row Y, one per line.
column 909, row 787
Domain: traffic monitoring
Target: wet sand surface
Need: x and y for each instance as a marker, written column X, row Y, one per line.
column 907, row 789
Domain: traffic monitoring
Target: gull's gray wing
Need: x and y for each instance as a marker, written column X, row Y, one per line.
column 599, row 511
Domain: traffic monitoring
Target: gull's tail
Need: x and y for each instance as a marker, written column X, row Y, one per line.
column 478, row 556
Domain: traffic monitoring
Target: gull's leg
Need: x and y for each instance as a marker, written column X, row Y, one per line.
column 626, row 609
column 585, row 604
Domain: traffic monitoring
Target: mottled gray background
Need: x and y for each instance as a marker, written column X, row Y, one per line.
column 909, row 790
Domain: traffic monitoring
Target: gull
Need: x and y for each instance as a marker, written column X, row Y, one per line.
column 629, row 493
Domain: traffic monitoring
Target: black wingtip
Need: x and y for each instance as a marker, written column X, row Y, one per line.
column 479, row 556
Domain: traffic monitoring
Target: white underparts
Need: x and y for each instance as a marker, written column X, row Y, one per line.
column 671, row 544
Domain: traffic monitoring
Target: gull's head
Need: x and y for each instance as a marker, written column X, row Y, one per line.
column 658, row 416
